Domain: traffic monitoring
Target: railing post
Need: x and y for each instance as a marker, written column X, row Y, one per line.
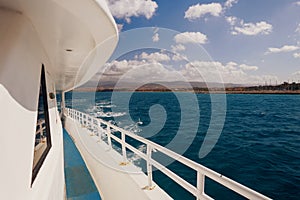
column 108, row 135
column 90, row 122
column 85, row 120
column 200, row 184
column 95, row 129
column 123, row 146
column 99, row 130
column 149, row 166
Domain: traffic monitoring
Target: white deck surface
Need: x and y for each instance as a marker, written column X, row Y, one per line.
column 112, row 180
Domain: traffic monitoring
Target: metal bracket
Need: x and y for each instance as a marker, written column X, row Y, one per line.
column 148, row 187
column 123, row 163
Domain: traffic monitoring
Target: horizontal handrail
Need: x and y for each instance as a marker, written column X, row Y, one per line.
column 202, row 171
column 40, row 126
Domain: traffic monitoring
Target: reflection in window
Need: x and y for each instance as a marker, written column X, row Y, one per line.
column 42, row 135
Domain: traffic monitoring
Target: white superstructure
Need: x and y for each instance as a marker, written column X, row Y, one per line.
column 59, row 35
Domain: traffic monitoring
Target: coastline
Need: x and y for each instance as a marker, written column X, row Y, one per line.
column 204, row 91
column 282, row 92
column 197, row 87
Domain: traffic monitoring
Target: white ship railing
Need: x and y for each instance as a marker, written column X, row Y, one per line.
column 202, row 172
column 40, row 127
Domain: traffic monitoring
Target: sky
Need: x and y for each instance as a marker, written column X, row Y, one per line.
column 247, row 41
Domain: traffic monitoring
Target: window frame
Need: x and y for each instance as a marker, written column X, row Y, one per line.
column 43, row 89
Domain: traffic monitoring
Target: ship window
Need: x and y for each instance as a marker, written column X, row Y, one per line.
column 42, row 143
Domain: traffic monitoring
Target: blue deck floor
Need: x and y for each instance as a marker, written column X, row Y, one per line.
column 79, row 183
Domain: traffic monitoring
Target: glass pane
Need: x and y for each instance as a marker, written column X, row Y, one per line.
column 42, row 142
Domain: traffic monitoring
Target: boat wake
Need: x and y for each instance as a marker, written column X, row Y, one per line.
column 99, row 111
column 102, row 114
column 105, row 104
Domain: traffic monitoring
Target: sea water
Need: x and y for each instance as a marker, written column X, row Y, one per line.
column 259, row 145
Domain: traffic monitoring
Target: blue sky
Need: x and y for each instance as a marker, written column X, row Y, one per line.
column 250, row 41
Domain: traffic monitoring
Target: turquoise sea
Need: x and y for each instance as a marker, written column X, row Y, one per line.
column 259, row 145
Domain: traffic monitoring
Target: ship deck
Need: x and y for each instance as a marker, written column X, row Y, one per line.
column 79, row 183
column 112, row 179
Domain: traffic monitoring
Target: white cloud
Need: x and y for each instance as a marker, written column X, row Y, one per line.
column 124, row 9
column 120, row 67
column 238, row 26
column 297, row 3
column 285, row 48
column 155, row 37
column 190, row 37
column 295, row 76
column 139, row 71
column 229, row 3
column 296, row 55
column 248, row 67
column 210, row 71
column 253, row 28
column 298, row 28
column 199, row 10
column 230, row 72
column 202, row 71
column 142, row 70
column 231, row 20
column 155, row 57
column 296, row 73
column 179, row 57
column 231, row 65
column 178, row 47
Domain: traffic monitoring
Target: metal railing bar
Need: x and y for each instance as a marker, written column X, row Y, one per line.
column 183, row 183
column 136, row 151
column 116, row 138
